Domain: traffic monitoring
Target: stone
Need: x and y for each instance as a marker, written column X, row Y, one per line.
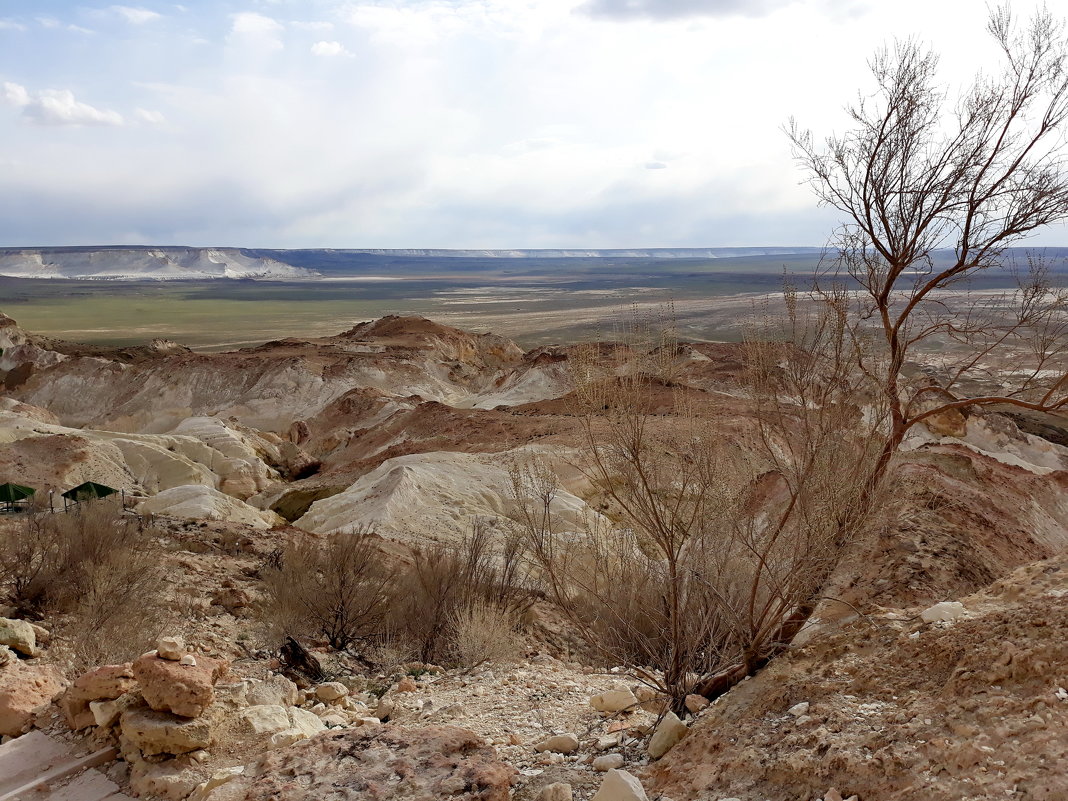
column 384, row 710
column 613, row 701
column 406, row 685
column 331, row 691
column 164, row 780
column 832, row 795
column 104, row 683
column 307, row 722
column 286, row 738
column 559, row 744
column 152, row 732
column 797, row 710
column 608, row 762
column 334, row 721
column 944, row 612
column 218, row 779
column 618, row 785
column 558, row 791
column 18, row 635
column 24, row 691
column 666, row 735
column 105, row 713
column 42, row 634
column 388, row 762
column 695, row 703
column 185, row 690
column 277, row 690
column 172, row 648
column 265, row 718
column 189, row 660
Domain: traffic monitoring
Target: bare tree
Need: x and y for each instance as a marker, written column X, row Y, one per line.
column 933, row 197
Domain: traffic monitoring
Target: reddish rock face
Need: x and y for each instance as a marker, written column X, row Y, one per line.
column 386, row 762
column 23, row 690
column 185, row 690
column 102, row 684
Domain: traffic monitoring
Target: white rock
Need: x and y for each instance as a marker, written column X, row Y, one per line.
column 303, row 720
column 286, row 738
column 266, row 718
column 797, row 710
column 105, row 713
column 608, row 762
column 613, row 701
column 331, row 691
column 189, row 660
column 172, row 648
column 946, row 612
column 18, row 635
column 559, row 744
column 618, row 785
column 667, row 735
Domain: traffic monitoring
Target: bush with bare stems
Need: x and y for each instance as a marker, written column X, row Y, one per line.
column 448, row 585
column 338, row 590
column 96, row 571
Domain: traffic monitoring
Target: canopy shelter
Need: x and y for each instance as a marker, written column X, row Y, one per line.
column 11, row 494
column 88, row 491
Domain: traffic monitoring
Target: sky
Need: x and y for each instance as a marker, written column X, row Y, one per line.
column 438, row 123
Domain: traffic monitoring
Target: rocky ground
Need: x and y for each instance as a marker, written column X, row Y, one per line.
column 935, row 669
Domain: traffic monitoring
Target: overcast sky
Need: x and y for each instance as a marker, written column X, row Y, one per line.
column 436, row 123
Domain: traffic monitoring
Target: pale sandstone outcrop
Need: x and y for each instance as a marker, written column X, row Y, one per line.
column 100, row 684
column 185, row 690
column 151, row 732
column 25, row 689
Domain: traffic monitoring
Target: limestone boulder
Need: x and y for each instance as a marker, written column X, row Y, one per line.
column 25, row 690
column 667, row 734
column 101, row 684
column 152, row 732
column 185, row 690
column 618, row 785
column 165, row 780
column 18, row 635
column 265, row 719
column 613, row 701
column 277, row 690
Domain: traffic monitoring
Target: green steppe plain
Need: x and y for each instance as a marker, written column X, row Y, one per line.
column 534, row 301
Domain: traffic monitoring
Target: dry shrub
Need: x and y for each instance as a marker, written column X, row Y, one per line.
column 446, row 582
column 484, row 632
column 337, row 590
column 96, row 571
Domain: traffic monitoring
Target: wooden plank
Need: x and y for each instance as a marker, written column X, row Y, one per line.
column 90, row 785
column 27, row 757
column 62, row 771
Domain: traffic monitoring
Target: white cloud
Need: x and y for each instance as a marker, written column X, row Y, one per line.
column 56, row 107
column 135, row 15
column 48, row 22
column 15, row 95
column 149, row 117
column 250, row 28
column 329, row 49
column 251, row 22
column 11, row 25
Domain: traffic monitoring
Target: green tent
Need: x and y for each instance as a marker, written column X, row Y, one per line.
column 10, row 494
column 89, row 491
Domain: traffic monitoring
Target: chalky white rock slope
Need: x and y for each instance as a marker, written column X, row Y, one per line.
column 432, row 496
column 142, row 263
